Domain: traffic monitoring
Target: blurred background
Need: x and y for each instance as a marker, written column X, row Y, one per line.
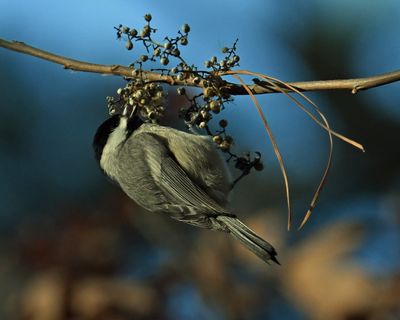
column 72, row 246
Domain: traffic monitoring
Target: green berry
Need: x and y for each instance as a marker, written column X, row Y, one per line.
column 225, row 145
column 185, row 28
column 167, row 45
column 183, row 41
column 224, row 50
column 176, row 52
column 215, row 106
column 217, row 139
column 164, row 61
column 213, row 59
column 145, row 32
column 133, row 32
column 147, row 17
column 129, row 44
column 144, row 58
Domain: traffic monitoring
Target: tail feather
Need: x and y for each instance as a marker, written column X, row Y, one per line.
column 249, row 239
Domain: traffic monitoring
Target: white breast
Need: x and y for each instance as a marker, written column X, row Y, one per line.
column 115, row 139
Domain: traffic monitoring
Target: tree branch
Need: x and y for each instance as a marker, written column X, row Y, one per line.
column 354, row 85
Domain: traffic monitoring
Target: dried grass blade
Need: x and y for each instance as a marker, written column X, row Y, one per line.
column 273, row 81
column 326, row 124
column 275, row 146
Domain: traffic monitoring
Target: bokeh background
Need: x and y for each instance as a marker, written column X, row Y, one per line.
column 72, row 246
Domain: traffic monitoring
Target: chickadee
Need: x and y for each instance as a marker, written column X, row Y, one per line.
column 175, row 173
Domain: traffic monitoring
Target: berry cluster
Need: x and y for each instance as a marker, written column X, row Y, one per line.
column 156, row 51
column 149, row 97
column 230, row 60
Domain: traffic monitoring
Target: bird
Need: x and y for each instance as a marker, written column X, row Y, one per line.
column 175, row 173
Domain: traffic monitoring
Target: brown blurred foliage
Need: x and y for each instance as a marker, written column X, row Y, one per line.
column 74, row 269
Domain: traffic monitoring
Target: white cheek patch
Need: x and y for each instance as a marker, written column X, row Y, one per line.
column 111, row 148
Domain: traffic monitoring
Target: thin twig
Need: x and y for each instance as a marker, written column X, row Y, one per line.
column 354, row 85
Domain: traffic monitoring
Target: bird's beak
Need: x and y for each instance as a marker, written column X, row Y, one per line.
column 128, row 112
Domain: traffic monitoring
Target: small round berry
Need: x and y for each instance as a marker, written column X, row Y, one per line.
column 224, row 50
column 144, row 58
column 222, row 63
column 176, row 52
column 125, row 29
column 147, row 17
column 157, row 52
column 145, row 32
column 133, row 32
column 236, row 58
column 215, row 106
column 202, row 124
column 208, row 64
column 185, row 28
column 167, row 45
column 181, row 91
column 129, row 44
column 217, row 139
column 225, row 145
column 119, row 91
column 223, row 123
column 164, row 61
column 174, row 70
column 183, row 41
column 259, row 166
column 213, row 59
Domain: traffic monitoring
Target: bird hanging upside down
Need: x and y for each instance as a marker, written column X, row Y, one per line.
column 175, row 173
